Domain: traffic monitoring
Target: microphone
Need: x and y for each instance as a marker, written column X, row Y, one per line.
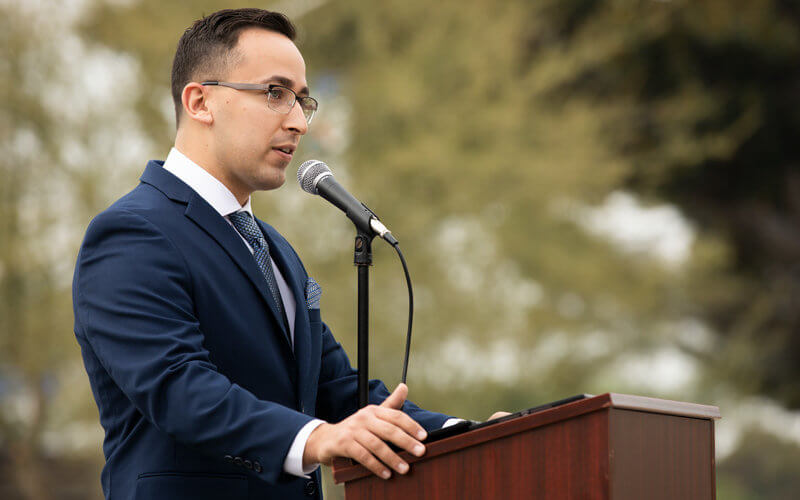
column 316, row 178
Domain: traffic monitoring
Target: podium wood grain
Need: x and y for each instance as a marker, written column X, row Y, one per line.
column 606, row 447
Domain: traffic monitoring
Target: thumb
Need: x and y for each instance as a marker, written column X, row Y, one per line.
column 396, row 399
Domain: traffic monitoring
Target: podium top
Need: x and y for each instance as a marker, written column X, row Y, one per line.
column 346, row 469
column 655, row 405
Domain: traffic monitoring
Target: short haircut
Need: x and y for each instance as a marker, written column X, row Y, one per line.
column 206, row 49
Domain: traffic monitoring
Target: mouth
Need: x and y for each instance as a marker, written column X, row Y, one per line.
column 286, row 149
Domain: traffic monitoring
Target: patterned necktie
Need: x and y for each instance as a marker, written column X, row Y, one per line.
column 247, row 227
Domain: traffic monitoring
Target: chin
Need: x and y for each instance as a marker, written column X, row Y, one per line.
column 272, row 183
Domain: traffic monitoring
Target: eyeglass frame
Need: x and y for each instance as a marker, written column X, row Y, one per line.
column 266, row 88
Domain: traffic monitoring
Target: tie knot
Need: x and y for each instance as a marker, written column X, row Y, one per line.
column 246, row 226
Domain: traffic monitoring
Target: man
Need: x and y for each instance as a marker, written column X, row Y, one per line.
column 199, row 327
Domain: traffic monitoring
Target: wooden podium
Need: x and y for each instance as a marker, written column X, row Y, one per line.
column 612, row 446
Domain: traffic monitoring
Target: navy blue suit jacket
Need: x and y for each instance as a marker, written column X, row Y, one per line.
column 199, row 390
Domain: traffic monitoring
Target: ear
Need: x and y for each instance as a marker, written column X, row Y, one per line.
column 195, row 103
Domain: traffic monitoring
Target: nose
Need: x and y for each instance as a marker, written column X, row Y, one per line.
column 296, row 121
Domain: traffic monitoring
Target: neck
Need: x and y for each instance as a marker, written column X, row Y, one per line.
column 202, row 154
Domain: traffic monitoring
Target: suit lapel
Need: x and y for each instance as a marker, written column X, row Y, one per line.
column 210, row 221
column 295, row 278
column 199, row 211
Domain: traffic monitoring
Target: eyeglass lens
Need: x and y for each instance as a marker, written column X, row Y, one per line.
column 282, row 100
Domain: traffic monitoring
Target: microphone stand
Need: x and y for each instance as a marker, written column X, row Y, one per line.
column 362, row 258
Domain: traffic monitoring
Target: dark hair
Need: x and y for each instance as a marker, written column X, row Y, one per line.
column 206, row 49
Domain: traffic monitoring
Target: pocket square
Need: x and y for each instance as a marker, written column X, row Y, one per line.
column 313, row 293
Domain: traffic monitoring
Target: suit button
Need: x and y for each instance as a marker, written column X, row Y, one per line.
column 310, row 488
column 257, row 467
column 228, row 458
column 248, row 464
column 238, row 461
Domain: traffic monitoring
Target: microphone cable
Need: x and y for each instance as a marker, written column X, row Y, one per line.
column 396, row 246
column 315, row 178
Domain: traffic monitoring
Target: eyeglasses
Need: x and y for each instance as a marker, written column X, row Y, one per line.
column 279, row 98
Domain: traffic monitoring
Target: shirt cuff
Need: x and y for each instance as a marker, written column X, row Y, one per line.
column 293, row 464
column 452, row 421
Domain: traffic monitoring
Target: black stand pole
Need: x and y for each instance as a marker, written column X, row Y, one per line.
column 363, row 259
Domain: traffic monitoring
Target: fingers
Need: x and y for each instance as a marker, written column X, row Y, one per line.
column 403, row 421
column 358, row 452
column 393, row 404
column 374, row 426
column 394, row 434
column 383, row 453
column 367, row 448
column 396, row 398
column 373, row 437
column 364, row 436
column 499, row 414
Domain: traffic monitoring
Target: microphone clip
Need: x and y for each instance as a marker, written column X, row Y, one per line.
column 377, row 226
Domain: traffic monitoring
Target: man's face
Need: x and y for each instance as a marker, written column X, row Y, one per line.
column 246, row 133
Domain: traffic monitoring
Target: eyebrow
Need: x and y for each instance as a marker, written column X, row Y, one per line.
column 286, row 82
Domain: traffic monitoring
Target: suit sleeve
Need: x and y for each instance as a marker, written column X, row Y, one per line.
column 134, row 307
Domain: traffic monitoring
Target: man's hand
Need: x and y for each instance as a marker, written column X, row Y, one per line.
column 499, row 414
column 361, row 437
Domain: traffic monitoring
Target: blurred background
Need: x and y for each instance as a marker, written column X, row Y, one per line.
column 592, row 195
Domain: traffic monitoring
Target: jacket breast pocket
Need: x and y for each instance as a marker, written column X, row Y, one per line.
column 190, row 486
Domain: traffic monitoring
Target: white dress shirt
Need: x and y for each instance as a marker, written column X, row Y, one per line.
column 223, row 201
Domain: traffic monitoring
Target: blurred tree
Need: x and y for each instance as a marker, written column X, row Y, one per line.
column 485, row 166
column 704, row 100
column 484, row 132
column 763, row 466
column 60, row 142
column 34, row 303
column 497, row 121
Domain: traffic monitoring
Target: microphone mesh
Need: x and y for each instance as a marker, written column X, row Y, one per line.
column 308, row 173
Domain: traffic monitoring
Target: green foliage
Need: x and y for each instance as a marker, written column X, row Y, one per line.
column 483, row 133
column 460, row 115
column 703, row 98
column 763, row 466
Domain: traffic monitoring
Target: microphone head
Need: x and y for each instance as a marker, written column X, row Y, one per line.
column 310, row 173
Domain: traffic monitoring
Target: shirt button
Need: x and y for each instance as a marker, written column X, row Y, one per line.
column 238, row 461
column 228, row 458
column 310, row 488
column 248, row 464
column 257, row 467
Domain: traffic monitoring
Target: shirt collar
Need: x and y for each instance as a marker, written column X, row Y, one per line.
column 206, row 185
